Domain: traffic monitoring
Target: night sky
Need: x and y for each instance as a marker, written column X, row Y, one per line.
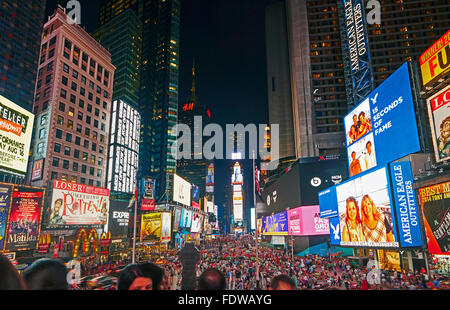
column 227, row 39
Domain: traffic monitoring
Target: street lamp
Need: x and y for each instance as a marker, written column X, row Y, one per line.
column 256, row 212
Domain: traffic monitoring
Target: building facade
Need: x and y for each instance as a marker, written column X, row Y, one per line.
column 19, row 49
column 73, row 96
column 158, row 97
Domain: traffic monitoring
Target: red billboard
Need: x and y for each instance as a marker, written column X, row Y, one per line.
column 25, row 218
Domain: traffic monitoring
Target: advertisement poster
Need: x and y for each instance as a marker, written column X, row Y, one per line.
column 5, row 199
column 439, row 115
column 78, row 204
column 166, row 227
column 410, row 234
column 186, row 218
column 176, row 219
column 432, row 63
column 391, row 113
column 435, row 202
column 310, row 223
column 38, row 169
column 151, row 227
column 196, row 223
column 210, row 179
column 119, row 217
column 24, row 218
column 365, row 212
column 389, row 260
column 148, row 195
column 276, row 224
column 195, row 197
column 16, row 126
column 181, row 190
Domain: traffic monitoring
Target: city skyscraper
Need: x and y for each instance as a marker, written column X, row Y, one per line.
column 122, row 36
column 19, row 49
column 158, row 96
column 195, row 168
column 72, row 105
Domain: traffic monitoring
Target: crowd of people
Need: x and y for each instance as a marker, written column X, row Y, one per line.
column 227, row 263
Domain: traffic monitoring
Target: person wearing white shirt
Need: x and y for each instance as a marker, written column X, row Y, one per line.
column 370, row 160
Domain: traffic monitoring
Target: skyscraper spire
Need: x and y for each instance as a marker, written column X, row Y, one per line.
column 193, row 78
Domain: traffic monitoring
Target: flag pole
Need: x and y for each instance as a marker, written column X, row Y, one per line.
column 134, row 226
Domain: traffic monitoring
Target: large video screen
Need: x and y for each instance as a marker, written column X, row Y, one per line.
column 186, row 218
column 381, row 121
column 365, row 212
column 181, row 190
column 435, row 202
column 276, row 224
column 197, row 220
column 306, row 221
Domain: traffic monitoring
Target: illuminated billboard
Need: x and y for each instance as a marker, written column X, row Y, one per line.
column 16, row 129
column 151, row 224
column 166, row 227
column 185, row 218
column 123, row 158
column 434, row 63
column 119, row 217
column 275, row 225
column 148, row 194
column 306, row 221
column 210, row 179
column 435, row 202
column 195, row 197
column 197, row 220
column 5, row 198
column 439, row 116
column 181, row 190
column 367, row 210
column 37, row 169
column 75, row 204
column 380, row 122
column 24, row 218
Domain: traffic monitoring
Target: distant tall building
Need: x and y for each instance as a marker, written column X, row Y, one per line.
column 322, row 91
column 19, row 49
column 72, row 105
column 158, row 97
column 122, row 36
column 194, row 169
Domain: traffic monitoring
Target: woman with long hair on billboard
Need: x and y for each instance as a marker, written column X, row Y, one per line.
column 352, row 230
column 376, row 228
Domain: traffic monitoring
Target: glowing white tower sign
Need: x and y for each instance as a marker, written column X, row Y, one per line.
column 236, row 181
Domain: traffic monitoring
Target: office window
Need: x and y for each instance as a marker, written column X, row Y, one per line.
column 76, row 153
column 100, row 149
column 54, row 175
column 83, row 79
column 80, row 116
column 87, row 132
column 58, row 133
column 99, row 173
column 91, row 182
column 95, row 123
column 62, row 107
column 75, row 166
column 85, row 156
column 77, row 140
column 82, row 91
column 79, row 128
column 73, row 99
column 88, row 119
column 63, row 93
column 42, row 133
column 94, row 147
column 83, row 168
column 65, row 164
column 71, row 111
column 91, row 96
column 55, row 162
column 91, row 170
column 89, row 108
column 75, row 74
column 100, row 161
column 86, row 143
column 93, row 159
column 57, row 148
column 73, row 179
column 50, row 66
column 67, row 151
column 74, row 86
column 48, row 79
column 60, row 120
column 82, row 180
column 40, row 147
column 68, row 137
column 66, row 68
column 69, row 124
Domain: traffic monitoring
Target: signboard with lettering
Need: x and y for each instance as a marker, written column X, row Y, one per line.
column 439, row 116
column 434, row 63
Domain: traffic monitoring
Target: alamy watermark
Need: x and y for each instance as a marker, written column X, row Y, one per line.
column 73, row 12
column 235, row 135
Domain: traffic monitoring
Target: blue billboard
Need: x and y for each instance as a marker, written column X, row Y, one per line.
column 405, row 205
column 185, row 218
column 383, row 127
column 276, row 224
column 375, row 209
